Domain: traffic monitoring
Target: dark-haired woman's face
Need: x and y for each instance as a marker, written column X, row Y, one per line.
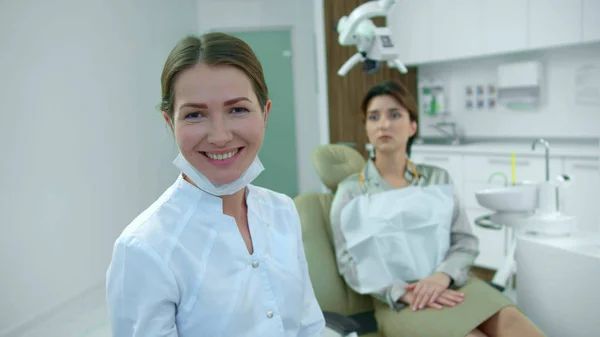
column 388, row 125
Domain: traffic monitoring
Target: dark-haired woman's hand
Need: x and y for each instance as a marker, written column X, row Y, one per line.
column 448, row 298
column 429, row 290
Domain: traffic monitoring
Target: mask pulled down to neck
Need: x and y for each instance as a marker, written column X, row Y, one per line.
column 208, row 186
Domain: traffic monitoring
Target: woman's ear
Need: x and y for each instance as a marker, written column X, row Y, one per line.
column 413, row 127
column 168, row 121
column 266, row 113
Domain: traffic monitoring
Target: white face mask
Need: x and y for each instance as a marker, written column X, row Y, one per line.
column 224, row 189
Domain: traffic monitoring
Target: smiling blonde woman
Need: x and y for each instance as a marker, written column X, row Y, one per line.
column 214, row 255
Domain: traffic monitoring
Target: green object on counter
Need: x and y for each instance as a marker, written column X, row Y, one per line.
column 501, row 174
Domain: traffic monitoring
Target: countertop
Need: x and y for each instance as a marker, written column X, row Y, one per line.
column 557, row 149
column 581, row 243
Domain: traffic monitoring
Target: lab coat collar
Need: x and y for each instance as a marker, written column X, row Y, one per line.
column 209, row 201
column 374, row 178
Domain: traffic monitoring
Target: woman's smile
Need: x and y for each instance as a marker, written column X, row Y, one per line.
column 223, row 158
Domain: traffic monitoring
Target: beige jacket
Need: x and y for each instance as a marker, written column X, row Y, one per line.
column 463, row 244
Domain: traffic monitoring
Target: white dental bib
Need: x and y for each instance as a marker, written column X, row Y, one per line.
column 401, row 234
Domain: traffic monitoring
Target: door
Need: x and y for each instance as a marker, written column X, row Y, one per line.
column 278, row 152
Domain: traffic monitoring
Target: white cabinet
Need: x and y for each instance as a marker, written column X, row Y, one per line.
column 444, row 30
column 479, row 168
column 471, row 173
column 461, row 169
column 581, row 195
column 554, row 23
column 449, row 162
column 430, row 30
column 411, row 27
column 504, row 26
column 591, row 20
column 492, row 242
column 477, row 172
column 457, row 28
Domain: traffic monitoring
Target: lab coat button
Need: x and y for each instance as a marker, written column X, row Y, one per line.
column 270, row 314
column 254, row 264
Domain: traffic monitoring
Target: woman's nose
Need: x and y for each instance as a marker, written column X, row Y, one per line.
column 384, row 123
column 219, row 133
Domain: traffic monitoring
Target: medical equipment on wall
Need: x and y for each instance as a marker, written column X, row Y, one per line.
column 374, row 44
column 432, row 96
column 530, row 208
column 519, row 85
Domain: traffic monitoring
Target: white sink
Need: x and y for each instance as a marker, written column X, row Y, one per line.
column 518, row 198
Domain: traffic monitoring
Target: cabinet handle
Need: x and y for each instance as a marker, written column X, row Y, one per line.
column 436, row 159
column 507, row 162
column 586, row 166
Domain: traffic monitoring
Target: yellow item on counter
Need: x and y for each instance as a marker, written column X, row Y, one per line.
column 513, row 168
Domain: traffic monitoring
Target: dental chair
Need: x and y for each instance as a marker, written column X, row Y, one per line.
column 345, row 310
column 333, row 163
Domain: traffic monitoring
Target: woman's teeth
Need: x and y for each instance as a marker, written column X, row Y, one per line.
column 222, row 156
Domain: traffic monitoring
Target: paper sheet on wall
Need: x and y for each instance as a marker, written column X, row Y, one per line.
column 587, row 85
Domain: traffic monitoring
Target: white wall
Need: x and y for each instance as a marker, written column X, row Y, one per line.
column 321, row 68
column 83, row 147
column 558, row 115
column 251, row 14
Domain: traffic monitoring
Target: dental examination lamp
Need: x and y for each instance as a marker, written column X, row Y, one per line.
column 374, row 44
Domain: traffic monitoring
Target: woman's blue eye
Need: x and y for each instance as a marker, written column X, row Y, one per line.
column 192, row 115
column 396, row 115
column 373, row 117
column 239, row 110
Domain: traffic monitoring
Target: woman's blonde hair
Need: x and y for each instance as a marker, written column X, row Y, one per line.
column 211, row 49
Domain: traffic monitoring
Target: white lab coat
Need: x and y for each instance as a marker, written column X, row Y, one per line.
column 181, row 268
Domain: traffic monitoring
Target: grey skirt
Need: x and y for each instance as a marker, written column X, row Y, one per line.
column 480, row 303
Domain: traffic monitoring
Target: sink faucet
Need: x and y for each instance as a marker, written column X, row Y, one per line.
column 454, row 135
column 547, row 146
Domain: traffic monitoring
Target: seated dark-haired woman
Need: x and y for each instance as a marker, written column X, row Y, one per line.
column 402, row 236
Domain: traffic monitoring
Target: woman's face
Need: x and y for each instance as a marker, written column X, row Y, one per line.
column 388, row 125
column 218, row 121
